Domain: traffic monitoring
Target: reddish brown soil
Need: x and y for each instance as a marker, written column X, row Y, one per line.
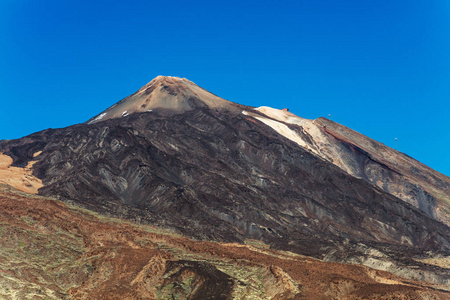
column 120, row 260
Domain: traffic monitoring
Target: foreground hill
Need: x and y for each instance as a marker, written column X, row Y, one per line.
column 51, row 250
column 178, row 157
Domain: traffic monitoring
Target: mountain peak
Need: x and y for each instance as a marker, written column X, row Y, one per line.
column 168, row 79
column 164, row 92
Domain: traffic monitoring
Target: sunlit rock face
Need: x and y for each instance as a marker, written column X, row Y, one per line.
column 177, row 156
column 165, row 92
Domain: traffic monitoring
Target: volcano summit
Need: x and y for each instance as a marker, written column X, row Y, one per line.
column 171, row 93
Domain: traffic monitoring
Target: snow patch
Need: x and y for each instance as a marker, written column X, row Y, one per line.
column 125, row 113
column 284, row 130
column 99, row 117
column 282, row 115
column 320, row 144
column 287, row 117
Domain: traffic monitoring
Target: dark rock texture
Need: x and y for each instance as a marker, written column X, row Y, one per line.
column 394, row 172
column 217, row 174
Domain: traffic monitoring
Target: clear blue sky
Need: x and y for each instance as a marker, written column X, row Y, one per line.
column 379, row 67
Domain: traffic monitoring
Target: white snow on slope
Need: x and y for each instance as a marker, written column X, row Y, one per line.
column 290, row 118
column 277, row 119
column 281, row 115
column 99, row 117
column 284, row 130
column 321, row 145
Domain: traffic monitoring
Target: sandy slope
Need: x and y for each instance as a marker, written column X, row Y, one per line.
column 20, row 178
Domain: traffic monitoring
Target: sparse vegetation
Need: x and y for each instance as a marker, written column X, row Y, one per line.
column 440, row 261
column 49, row 250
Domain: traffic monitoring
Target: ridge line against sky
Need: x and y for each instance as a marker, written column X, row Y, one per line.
column 381, row 68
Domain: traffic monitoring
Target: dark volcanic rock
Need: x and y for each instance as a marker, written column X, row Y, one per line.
column 217, row 174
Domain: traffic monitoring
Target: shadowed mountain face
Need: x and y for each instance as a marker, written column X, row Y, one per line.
column 215, row 170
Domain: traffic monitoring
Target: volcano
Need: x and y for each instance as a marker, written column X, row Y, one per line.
column 178, row 157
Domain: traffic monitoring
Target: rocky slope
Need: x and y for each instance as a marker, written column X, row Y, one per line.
column 164, row 92
column 362, row 157
column 184, row 159
column 49, row 250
